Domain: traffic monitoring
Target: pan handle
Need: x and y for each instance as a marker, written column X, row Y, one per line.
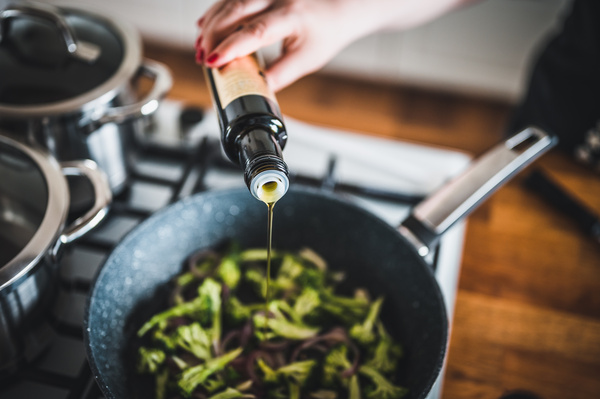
column 455, row 200
column 103, row 197
column 162, row 83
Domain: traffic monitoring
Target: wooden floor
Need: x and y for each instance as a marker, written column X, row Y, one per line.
column 528, row 307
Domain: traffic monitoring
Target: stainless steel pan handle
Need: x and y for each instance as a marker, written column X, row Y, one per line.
column 438, row 212
column 147, row 105
column 103, row 197
column 80, row 49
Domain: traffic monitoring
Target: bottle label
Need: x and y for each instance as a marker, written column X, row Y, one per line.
column 241, row 77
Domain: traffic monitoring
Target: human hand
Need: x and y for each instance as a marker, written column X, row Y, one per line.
column 312, row 32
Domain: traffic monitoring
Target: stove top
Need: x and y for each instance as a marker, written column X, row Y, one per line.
column 179, row 154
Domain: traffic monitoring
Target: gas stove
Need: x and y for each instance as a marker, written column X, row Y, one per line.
column 179, row 154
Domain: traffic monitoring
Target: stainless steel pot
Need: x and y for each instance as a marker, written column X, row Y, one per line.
column 69, row 83
column 34, row 202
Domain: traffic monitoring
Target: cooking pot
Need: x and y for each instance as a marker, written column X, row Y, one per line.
column 132, row 284
column 34, row 202
column 69, row 82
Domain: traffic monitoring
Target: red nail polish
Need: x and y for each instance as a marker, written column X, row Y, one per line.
column 199, row 56
column 212, row 58
column 198, row 42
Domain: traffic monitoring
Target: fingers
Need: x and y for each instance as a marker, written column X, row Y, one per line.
column 256, row 33
column 224, row 17
column 291, row 66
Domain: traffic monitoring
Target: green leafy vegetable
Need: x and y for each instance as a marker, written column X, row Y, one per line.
column 387, row 352
column 220, row 340
column 150, row 360
column 335, row 363
column 231, row 393
column 364, row 333
column 195, row 339
column 197, row 375
column 384, row 389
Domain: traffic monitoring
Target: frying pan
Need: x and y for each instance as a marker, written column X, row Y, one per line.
column 132, row 284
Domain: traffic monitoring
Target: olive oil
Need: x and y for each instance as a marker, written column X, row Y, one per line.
column 270, row 205
column 269, row 193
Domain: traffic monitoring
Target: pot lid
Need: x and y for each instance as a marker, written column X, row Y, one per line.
column 33, row 207
column 62, row 58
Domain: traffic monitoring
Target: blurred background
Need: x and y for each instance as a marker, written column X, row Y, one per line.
column 482, row 49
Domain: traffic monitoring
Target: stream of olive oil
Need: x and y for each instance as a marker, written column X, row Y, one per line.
column 270, row 205
column 269, row 197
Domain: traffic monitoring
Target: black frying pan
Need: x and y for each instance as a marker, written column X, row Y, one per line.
column 132, row 284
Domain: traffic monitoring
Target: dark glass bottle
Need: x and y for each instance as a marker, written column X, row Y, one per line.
column 252, row 130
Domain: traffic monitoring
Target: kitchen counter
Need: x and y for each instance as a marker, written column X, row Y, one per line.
column 528, row 307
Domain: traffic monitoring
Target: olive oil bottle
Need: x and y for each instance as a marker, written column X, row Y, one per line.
column 252, row 134
column 252, row 130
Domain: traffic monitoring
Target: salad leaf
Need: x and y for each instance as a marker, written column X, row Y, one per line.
column 364, row 332
column 194, row 376
column 231, row 393
column 150, row 360
column 195, row 339
column 229, row 272
column 309, row 341
column 384, row 389
column 387, row 352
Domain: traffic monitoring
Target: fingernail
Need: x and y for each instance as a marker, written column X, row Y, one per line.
column 212, row 58
column 200, row 56
column 198, row 42
column 200, row 21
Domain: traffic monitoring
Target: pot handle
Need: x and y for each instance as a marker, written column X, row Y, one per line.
column 80, row 49
column 91, row 218
column 147, row 105
column 456, row 199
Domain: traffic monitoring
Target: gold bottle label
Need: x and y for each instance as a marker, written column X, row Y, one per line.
column 241, row 77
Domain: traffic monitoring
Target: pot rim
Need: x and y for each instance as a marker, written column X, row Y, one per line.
column 100, row 95
column 48, row 232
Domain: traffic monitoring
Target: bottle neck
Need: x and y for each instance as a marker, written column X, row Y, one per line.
column 265, row 172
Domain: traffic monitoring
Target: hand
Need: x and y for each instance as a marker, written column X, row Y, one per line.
column 312, row 32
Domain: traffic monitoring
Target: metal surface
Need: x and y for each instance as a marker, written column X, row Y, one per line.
column 95, row 124
column 148, row 104
column 85, row 51
column 99, row 209
column 438, row 212
column 102, row 95
column 34, row 199
column 49, row 183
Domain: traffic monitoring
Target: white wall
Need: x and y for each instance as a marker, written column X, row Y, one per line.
column 482, row 49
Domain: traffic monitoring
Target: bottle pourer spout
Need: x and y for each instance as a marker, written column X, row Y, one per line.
column 269, row 185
